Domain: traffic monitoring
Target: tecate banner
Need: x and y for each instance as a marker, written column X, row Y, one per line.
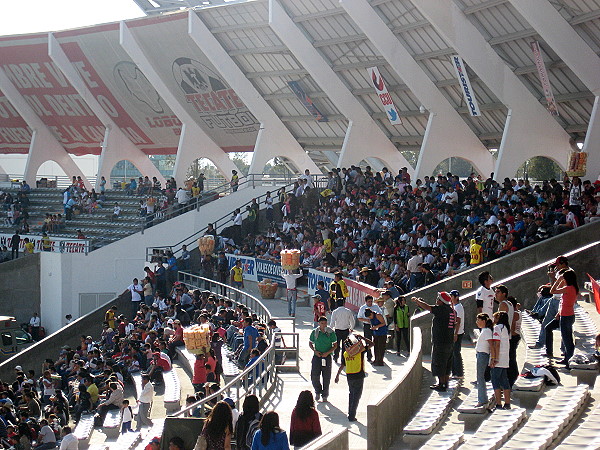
column 541, row 68
column 384, row 96
column 248, row 265
column 465, row 84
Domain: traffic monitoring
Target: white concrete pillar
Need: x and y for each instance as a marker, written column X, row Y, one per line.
column 563, row 39
column 363, row 137
column 448, row 135
column 274, row 139
column 530, row 130
column 116, row 145
column 592, row 143
column 189, row 150
column 44, row 146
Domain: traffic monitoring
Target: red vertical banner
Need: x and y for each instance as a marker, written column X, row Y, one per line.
column 541, row 68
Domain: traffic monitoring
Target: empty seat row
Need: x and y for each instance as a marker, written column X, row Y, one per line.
column 530, row 330
column 496, row 429
column 156, row 431
column 172, row 395
column 84, row 429
column 545, row 424
column 586, row 436
column 127, row 441
column 112, row 423
column 433, row 411
column 443, row 441
column 469, row 405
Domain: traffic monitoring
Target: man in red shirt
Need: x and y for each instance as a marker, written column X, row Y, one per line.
column 158, row 365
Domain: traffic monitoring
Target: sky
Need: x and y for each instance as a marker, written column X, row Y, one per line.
column 32, row 16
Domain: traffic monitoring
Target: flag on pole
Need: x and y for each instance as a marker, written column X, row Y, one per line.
column 384, row 96
column 544, row 80
column 596, row 290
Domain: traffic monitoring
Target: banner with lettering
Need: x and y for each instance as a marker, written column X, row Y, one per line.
column 195, row 82
column 544, row 80
column 121, row 88
column 356, row 290
column 47, row 91
column 57, row 245
column 268, row 269
column 307, row 102
column 248, row 264
column 15, row 134
column 465, row 85
column 384, row 96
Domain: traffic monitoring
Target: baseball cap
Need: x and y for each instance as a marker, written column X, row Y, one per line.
column 19, row 369
column 389, row 293
column 317, row 296
column 444, row 297
column 364, row 269
column 455, row 293
column 229, row 401
column 561, row 260
column 380, row 299
column 155, row 440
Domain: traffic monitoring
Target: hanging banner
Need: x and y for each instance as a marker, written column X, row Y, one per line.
column 307, row 101
column 248, row 264
column 541, row 68
column 384, row 96
column 57, row 245
column 465, row 84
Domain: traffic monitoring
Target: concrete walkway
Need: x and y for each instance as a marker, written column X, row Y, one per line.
column 334, row 412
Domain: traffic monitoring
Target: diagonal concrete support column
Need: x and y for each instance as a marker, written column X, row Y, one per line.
column 530, row 130
column 447, row 135
column 202, row 146
column 577, row 54
column 273, row 139
column 44, row 146
column 363, row 137
column 116, row 145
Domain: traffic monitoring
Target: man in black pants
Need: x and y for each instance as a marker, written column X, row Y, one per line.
column 368, row 333
column 343, row 322
column 14, row 244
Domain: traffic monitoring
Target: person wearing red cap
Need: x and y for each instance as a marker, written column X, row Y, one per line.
column 158, row 365
column 442, row 337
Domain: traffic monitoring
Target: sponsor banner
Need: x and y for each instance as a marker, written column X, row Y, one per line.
column 195, row 82
column 307, row 101
column 48, row 92
column 315, row 276
column 357, row 290
column 544, row 80
column 384, row 96
column 58, row 245
column 121, row 88
column 248, row 264
column 465, row 84
column 15, row 135
column 268, row 269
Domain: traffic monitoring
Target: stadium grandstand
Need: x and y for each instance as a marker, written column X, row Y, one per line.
column 437, row 291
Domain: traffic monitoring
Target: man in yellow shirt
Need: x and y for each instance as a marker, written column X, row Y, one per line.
column 237, row 278
column 476, row 251
column 337, row 290
column 355, row 372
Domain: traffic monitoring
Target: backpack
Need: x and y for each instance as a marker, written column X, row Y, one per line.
column 253, row 426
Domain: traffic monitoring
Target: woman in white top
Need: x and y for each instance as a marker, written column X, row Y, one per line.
column 482, row 349
column 499, row 359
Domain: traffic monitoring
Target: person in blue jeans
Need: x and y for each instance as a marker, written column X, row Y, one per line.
column 291, row 280
column 482, row 353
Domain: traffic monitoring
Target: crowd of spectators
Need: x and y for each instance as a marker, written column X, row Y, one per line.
column 16, row 208
column 379, row 227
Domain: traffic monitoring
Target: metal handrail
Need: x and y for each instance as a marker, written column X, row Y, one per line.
column 261, row 376
column 220, row 222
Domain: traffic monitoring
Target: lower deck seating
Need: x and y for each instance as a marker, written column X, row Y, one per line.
column 530, row 330
column 496, row 429
column 433, row 411
column 127, row 441
column 469, row 405
column 444, row 442
column 545, row 424
column 586, row 436
column 112, row 423
column 155, row 431
column 172, row 395
column 84, row 429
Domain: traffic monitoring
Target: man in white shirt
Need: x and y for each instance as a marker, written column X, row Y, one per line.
column 35, row 324
column 459, row 331
column 342, row 321
column 116, row 212
column 367, row 322
column 145, row 402
column 291, row 280
column 485, row 295
column 136, row 290
column 307, row 177
column 46, row 438
column 182, row 197
column 412, row 266
column 69, row 440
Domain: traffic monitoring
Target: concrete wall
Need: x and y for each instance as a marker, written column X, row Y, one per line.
column 336, row 439
column 111, row 268
column 20, row 288
column 49, row 347
column 522, row 272
column 396, row 405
